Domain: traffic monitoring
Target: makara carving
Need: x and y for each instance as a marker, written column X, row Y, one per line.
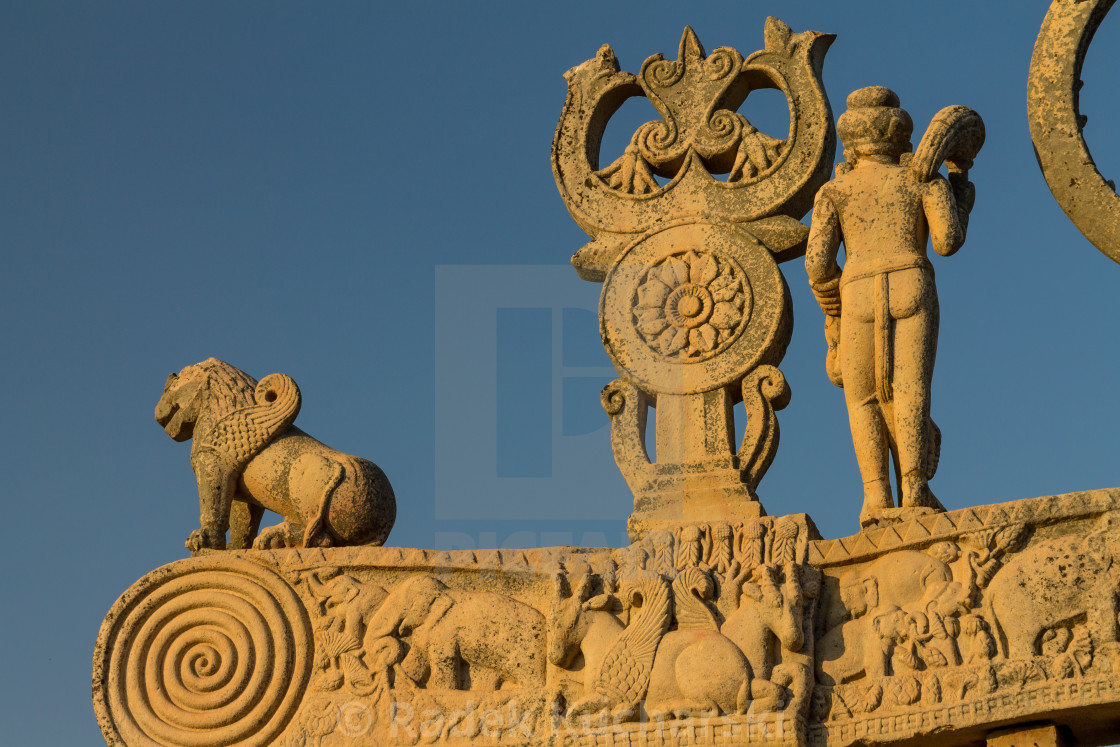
column 248, row 456
column 881, row 309
column 695, row 313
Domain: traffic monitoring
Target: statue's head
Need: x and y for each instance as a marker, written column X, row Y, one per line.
column 874, row 124
column 212, row 385
column 179, row 407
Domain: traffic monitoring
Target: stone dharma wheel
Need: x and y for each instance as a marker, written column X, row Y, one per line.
column 693, row 307
column 203, row 652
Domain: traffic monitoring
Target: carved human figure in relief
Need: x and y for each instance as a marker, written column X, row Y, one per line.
column 881, row 307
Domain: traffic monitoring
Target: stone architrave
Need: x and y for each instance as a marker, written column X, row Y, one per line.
column 694, row 312
column 705, row 631
column 934, row 630
column 943, row 627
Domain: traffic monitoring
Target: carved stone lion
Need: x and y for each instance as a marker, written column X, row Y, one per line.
column 248, row 456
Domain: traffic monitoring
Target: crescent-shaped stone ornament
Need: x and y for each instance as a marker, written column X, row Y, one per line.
column 1087, row 198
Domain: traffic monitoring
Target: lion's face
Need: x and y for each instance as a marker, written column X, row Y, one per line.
column 178, row 408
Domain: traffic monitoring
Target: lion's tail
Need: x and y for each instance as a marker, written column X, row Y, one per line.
column 372, row 500
column 318, row 532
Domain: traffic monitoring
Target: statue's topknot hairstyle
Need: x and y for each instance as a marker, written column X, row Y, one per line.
column 874, row 123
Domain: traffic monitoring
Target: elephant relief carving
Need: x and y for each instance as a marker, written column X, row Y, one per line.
column 462, row 640
column 899, row 610
column 1055, row 583
column 343, row 606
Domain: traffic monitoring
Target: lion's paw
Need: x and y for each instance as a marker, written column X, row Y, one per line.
column 278, row 537
column 206, row 538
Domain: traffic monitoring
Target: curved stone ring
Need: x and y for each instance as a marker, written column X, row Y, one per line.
column 1056, row 124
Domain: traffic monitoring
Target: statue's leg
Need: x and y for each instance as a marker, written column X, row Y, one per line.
column 857, row 360
column 914, row 309
column 216, row 482
column 284, row 534
column 244, row 522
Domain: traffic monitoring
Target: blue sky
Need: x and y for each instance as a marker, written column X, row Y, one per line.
column 359, row 195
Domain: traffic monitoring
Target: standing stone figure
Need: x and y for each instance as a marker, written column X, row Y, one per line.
column 881, row 307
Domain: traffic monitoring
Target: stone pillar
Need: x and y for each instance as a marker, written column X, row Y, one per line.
column 1031, row 735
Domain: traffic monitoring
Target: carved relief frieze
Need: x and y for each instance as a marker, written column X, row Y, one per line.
column 1009, row 611
column 699, row 635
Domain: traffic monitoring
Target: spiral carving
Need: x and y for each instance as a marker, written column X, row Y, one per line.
column 279, row 390
column 772, row 383
column 613, row 398
column 723, row 62
column 201, row 653
column 666, row 73
column 765, row 390
column 657, row 139
column 725, row 125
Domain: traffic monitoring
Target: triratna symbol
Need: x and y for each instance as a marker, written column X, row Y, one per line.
column 695, row 313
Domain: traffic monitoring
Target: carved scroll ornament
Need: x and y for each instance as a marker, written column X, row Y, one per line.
column 205, row 651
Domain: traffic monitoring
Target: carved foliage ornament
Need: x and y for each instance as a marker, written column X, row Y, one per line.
column 682, row 90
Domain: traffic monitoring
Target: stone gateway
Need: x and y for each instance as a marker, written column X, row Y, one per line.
column 719, row 624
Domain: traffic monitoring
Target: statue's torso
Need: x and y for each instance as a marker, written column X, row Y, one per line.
column 881, row 218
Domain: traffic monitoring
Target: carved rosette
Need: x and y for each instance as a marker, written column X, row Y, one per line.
column 693, row 307
column 206, row 651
